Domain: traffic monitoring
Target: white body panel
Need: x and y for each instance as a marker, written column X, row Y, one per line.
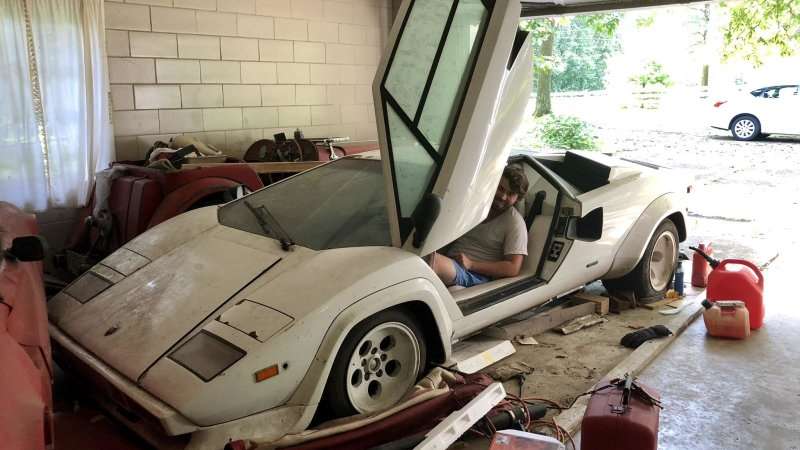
column 775, row 115
column 490, row 112
column 482, row 141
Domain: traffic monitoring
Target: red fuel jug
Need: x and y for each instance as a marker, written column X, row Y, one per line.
column 621, row 415
column 737, row 279
column 700, row 266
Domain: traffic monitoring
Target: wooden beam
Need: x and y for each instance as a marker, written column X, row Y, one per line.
column 266, row 167
column 601, row 302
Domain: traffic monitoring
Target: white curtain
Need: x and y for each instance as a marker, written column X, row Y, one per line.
column 63, row 59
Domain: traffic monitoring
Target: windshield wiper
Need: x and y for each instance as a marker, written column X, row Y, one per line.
column 271, row 226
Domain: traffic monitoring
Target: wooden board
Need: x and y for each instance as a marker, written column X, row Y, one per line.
column 661, row 303
column 544, row 321
column 266, row 167
column 600, row 302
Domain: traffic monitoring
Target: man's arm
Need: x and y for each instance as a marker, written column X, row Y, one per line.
column 509, row 267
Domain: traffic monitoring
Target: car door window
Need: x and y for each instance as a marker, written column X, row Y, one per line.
column 422, row 91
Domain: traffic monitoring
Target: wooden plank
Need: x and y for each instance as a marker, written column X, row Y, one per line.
column 266, row 167
column 479, row 352
column 660, row 303
column 546, row 320
column 599, row 301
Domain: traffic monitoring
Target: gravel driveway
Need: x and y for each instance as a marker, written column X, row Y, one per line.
column 746, row 197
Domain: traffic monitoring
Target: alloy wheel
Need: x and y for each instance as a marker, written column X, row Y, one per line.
column 383, row 367
column 662, row 261
column 744, row 128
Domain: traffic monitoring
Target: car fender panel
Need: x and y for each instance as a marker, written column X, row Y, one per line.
column 632, row 248
column 411, row 291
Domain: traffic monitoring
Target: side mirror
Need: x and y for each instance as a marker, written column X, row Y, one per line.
column 26, row 248
column 587, row 228
column 424, row 216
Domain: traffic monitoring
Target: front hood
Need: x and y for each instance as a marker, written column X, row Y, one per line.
column 136, row 321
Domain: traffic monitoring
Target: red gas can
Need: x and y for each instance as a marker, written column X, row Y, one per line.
column 700, row 266
column 737, row 279
column 621, row 418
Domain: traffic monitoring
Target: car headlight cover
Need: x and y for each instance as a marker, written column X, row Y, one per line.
column 87, row 287
column 206, row 355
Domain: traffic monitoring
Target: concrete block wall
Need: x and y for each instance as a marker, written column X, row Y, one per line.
column 234, row 71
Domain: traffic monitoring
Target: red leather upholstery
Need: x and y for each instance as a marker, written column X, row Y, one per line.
column 143, row 198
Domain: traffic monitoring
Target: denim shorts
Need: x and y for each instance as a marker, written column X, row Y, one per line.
column 467, row 278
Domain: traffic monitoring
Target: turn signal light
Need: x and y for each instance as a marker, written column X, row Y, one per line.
column 266, row 373
column 719, row 103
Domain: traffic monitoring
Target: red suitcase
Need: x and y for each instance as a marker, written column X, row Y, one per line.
column 621, row 415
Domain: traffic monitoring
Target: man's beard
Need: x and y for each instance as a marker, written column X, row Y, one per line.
column 498, row 207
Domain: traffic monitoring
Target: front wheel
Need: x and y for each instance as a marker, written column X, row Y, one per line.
column 746, row 128
column 379, row 361
column 651, row 277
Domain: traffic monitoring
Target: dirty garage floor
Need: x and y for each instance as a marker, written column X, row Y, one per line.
column 721, row 394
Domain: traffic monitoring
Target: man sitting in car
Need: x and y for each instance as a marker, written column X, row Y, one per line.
column 496, row 247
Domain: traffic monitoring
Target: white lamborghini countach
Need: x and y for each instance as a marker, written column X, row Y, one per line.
column 241, row 320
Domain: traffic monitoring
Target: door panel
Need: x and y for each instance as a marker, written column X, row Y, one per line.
column 440, row 94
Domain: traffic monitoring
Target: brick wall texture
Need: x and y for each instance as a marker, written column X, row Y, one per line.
column 234, row 71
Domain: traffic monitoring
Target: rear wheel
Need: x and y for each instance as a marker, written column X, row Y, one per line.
column 651, row 277
column 379, row 361
column 746, row 128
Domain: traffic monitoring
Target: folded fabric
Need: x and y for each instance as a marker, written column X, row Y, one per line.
column 637, row 338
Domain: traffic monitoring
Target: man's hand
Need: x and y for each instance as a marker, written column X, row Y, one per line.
column 464, row 261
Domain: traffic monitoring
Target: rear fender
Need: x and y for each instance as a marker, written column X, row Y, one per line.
column 633, row 247
column 414, row 291
column 182, row 198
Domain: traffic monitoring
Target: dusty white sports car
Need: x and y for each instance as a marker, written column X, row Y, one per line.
column 240, row 320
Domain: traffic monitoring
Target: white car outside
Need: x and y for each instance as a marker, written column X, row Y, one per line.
column 766, row 110
column 238, row 321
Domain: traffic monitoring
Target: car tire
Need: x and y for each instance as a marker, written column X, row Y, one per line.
column 746, row 128
column 377, row 364
column 652, row 275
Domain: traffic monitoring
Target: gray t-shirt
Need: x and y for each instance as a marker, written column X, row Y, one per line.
column 491, row 241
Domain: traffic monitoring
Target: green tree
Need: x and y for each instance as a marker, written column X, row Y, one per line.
column 542, row 38
column 759, row 27
column 544, row 32
column 699, row 19
column 582, row 48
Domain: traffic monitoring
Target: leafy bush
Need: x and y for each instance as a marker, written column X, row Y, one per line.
column 566, row 132
column 653, row 74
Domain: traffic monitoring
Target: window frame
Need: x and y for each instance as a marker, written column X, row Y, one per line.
column 387, row 99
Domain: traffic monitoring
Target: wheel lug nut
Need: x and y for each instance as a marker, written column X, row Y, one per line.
column 383, row 357
column 380, row 373
column 374, row 350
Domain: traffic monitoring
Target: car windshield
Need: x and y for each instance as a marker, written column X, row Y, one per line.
column 341, row 204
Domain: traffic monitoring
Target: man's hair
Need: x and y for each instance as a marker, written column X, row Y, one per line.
column 517, row 180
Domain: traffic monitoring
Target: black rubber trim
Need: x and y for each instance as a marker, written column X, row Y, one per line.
column 519, row 39
column 551, row 235
column 499, row 295
column 435, row 156
column 435, row 64
column 536, row 209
